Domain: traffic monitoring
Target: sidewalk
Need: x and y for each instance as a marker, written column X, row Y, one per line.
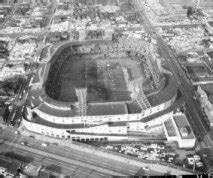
column 23, row 131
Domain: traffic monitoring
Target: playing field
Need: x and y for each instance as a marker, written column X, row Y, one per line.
column 104, row 79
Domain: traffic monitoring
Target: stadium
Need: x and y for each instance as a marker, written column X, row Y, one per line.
column 99, row 90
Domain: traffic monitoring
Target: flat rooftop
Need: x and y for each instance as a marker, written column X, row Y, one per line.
column 181, row 122
column 170, row 128
column 107, row 109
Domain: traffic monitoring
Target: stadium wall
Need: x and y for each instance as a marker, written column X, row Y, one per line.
column 100, row 131
column 103, row 118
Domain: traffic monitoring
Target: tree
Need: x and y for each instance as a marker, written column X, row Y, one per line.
column 190, row 12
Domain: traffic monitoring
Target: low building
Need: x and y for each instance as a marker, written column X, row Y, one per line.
column 8, row 72
column 32, row 170
column 23, row 52
column 206, row 103
column 9, row 167
column 209, row 27
column 177, row 129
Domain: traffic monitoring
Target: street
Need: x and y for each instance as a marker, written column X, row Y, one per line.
column 71, row 161
column 193, row 112
column 10, row 15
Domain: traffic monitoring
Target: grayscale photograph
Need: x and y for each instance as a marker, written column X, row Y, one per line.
column 106, row 88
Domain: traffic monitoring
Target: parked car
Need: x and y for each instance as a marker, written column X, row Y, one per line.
column 17, row 132
column 44, row 144
column 56, row 144
column 23, row 142
column 146, row 168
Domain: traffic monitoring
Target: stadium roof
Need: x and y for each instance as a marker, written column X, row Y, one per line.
column 57, row 112
column 41, row 121
column 107, row 109
column 133, row 107
column 165, row 94
column 181, row 122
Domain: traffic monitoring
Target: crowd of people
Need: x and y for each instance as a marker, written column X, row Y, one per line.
column 54, row 81
column 125, row 47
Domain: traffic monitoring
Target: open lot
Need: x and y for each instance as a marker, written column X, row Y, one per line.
column 104, row 79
